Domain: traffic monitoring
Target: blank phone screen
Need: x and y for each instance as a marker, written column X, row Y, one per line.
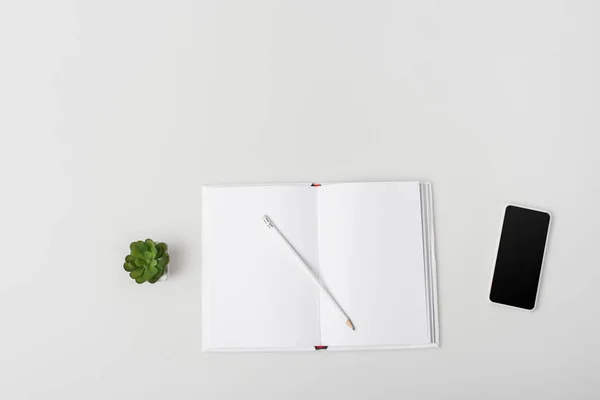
column 520, row 256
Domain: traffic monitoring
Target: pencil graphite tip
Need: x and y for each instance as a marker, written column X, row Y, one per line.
column 349, row 323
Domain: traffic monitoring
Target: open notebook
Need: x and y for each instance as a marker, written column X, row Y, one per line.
column 371, row 244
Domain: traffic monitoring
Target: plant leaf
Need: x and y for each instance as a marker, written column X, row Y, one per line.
column 135, row 250
column 140, row 280
column 140, row 262
column 142, row 249
column 158, row 275
column 130, row 259
column 136, row 273
column 129, row 267
column 152, row 270
column 161, row 249
column 149, row 272
column 155, row 278
column 153, row 263
column 164, row 260
column 151, row 247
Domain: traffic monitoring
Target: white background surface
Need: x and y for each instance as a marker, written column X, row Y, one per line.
column 114, row 113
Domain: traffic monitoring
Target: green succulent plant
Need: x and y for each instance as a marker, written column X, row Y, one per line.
column 147, row 262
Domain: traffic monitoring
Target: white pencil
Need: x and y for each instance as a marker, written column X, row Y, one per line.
column 308, row 270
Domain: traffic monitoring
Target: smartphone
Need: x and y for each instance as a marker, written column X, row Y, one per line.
column 520, row 257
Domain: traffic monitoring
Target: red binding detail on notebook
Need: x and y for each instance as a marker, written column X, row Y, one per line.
column 316, row 184
column 321, row 347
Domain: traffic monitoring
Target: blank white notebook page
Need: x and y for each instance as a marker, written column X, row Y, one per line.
column 256, row 296
column 371, row 259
